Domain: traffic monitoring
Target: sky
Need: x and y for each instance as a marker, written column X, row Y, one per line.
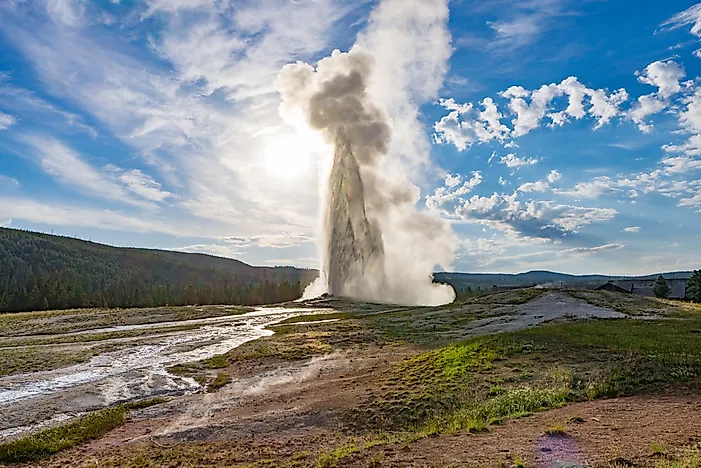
column 551, row 134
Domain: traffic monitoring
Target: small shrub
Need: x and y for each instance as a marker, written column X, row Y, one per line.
column 556, row 429
column 658, row 449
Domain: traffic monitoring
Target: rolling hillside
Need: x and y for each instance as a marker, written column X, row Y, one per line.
column 40, row 271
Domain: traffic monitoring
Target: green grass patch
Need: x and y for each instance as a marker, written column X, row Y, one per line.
column 50, row 441
column 218, row 382
column 556, row 429
column 689, row 458
column 486, row 380
column 658, row 449
column 142, row 404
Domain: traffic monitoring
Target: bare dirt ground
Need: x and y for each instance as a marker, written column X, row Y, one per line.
column 615, row 430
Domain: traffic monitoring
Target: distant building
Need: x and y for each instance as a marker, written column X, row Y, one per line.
column 611, row 287
column 497, row 288
column 677, row 287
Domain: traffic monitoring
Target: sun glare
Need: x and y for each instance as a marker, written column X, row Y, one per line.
column 287, row 157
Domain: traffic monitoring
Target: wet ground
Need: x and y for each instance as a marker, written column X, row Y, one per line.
column 137, row 370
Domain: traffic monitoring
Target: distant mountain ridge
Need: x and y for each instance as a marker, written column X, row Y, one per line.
column 539, row 277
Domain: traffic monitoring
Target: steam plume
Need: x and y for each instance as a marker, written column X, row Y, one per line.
column 375, row 245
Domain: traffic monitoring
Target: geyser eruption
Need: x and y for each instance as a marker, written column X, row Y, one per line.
column 354, row 247
column 370, row 224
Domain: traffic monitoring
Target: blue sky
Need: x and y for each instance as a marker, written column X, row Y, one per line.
column 552, row 134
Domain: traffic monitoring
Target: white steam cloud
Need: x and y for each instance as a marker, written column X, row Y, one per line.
column 376, row 245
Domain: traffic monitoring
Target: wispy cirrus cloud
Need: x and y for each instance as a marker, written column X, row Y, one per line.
column 6, row 121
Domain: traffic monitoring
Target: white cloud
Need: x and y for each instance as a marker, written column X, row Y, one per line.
column 593, row 250
column 8, row 182
column 70, row 169
column 207, row 144
column 455, row 187
column 690, row 16
column 512, row 161
column 456, row 128
column 463, row 126
column 502, row 181
column 6, row 121
column 144, row 186
column 693, row 201
column 665, row 76
column 554, row 176
column 67, row 12
column 540, row 186
column 55, row 214
column 534, row 219
column 632, row 229
column 67, row 167
column 528, row 116
column 593, row 189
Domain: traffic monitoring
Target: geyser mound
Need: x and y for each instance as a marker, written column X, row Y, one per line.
column 375, row 245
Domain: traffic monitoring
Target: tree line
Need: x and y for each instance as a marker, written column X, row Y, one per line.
column 693, row 287
column 39, row 272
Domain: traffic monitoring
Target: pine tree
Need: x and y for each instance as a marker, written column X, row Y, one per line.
column 693, row 287
column 661, row 288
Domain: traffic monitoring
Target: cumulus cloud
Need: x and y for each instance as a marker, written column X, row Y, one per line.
column 632, row 229
column 514, row 162
column 455, row 187
column 464, row 125
column 541, row 185
column 666, row 76
column 533, row 219
column 529, row 115
column 592, row 189
column 533, row 109
column 554, row 176
column 458, row 128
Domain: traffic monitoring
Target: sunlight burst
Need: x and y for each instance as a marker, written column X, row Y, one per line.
column 288, row 156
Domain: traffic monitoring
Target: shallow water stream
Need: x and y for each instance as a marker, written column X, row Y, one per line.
column 29, row 401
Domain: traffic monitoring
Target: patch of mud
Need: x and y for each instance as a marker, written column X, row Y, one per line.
column 204, row 412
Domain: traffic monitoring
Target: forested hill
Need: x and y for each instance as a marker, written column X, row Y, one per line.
column 42, row 271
